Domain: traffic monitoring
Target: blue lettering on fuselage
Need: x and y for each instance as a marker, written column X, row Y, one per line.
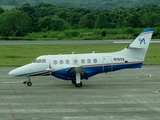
column 118, row 59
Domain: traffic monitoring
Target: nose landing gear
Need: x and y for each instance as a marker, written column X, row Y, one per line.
column 29, row 83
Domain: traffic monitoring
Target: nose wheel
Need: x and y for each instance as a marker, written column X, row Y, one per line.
column 29, row 83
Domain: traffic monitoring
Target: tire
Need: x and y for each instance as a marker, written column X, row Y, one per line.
column 79, row 84
column 73, row 82
column 29, row 83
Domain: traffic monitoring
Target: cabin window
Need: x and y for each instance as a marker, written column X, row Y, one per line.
column 55, row 62
column 75, row 61
column 95, row 60
column 44, row 61
column 61, row 61
column 39, row 61
column 89, row 60
column 67, row 61
column 82, row 61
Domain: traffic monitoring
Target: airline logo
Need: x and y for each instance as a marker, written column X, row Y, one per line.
column 142, row 40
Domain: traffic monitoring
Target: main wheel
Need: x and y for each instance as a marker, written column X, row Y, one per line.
column 73, row 82
column 79, row 84
column 29, row 83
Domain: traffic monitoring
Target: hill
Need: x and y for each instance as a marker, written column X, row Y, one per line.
column 97, row 4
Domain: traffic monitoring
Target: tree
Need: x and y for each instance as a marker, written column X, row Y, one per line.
column 14, row 23
column 134, row 20
column 102, row 21
column 1, row 10
column 118, row 17
column 73, row 20
column 151, row 20
column 27, row 9
column 59, row 24
column 44, row 23
column 53, row 23
column 87, row 21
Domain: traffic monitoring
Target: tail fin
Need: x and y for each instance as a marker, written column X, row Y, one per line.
column 143, row 40
column 138, row 47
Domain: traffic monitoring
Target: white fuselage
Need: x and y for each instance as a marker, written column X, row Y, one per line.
column 94, row 63
column 76, row 67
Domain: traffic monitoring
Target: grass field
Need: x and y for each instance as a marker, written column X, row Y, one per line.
column 17, row 55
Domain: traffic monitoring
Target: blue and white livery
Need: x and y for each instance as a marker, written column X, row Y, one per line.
column 76, row 67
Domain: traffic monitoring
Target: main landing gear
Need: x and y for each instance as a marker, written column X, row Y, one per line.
column 29, row 83
column 77, row 82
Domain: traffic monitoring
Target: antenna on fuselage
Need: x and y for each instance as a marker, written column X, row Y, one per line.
column 94, row 52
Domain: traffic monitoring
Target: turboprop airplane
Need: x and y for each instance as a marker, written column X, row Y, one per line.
column 77, row 67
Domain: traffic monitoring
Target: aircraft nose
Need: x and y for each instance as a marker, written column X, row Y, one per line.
column 20, row 71
column 12, row 73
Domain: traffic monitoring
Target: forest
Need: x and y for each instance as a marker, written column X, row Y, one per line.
column 46, row 20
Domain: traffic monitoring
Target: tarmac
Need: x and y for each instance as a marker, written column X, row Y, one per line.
column 121, row 95
column 19, row 42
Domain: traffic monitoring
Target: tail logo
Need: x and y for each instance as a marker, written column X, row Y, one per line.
column 142, row 40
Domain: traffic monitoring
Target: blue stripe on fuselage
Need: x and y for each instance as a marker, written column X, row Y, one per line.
column 42, row 73
column 92, row 70
column 125, row 66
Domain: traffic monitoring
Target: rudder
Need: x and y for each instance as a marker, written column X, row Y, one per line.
column 137, row 49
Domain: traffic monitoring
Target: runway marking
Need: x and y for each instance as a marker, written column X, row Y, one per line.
column 13, row 116
column 138, row 78
column 149, row 75
column 35, row 118
column 3, row 82
column 87, row 117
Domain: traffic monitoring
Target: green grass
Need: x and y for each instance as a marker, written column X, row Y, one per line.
column 17, row 55
column 86, row 34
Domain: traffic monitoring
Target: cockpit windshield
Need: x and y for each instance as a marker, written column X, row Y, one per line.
column 39, row 61
column 35, row 61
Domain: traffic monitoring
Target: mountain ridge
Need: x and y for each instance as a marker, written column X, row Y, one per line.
column 97, row 4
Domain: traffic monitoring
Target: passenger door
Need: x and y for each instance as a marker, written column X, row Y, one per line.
column 107, row 63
